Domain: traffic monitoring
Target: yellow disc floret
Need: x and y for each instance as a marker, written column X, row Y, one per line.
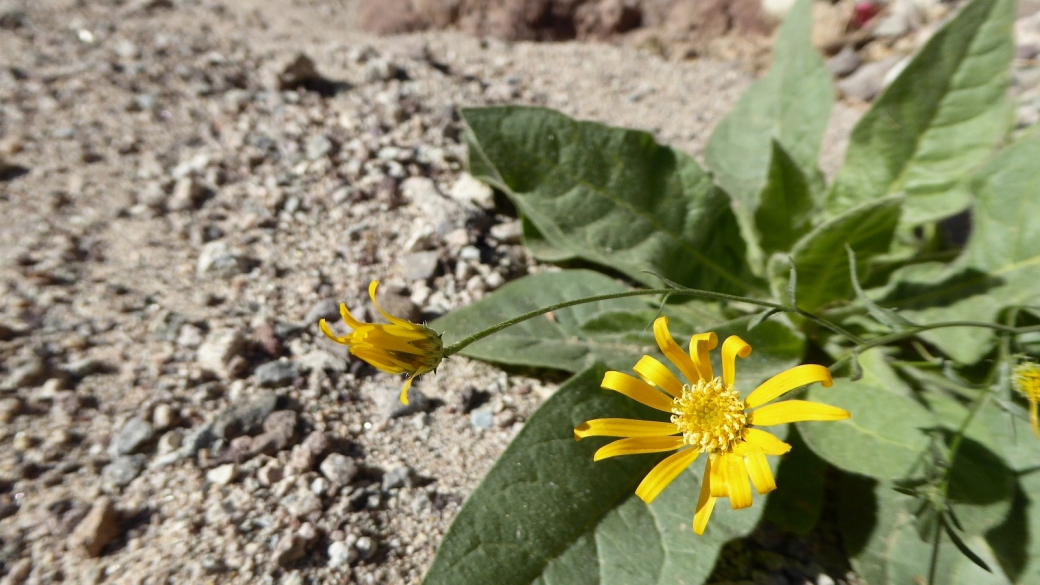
column 710, row 416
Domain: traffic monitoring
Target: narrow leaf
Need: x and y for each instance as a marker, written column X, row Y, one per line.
column 965, row 549
column 940, row 118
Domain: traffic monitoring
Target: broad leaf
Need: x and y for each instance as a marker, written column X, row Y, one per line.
column 776, row 128
column 785, row 207
column 1000, row 267
column 940, row 118
column 610, row 196
column 820, row 257
column 883, row 438
column 546, row 513
column 878, row 531
column 1016, row 542
column 616, row 332
column 796, row 507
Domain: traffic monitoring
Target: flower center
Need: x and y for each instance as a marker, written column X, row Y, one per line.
column 710, row 416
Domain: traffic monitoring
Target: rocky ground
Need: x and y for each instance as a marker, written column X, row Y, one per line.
column 186, row 187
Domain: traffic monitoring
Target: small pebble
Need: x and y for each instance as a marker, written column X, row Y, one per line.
column 222, row 475
column 366, row 547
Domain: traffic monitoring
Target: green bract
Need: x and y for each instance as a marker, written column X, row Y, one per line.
column 938, row 455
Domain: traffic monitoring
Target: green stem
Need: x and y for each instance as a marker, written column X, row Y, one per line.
column 691, row 292
column 935, row 552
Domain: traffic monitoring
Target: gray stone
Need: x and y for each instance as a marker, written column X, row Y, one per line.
column 482, row 418
column 844, row 63
column 419, row 265
column 341, row 555
column 505, row 418
column 508, row 232
column 399, row 306
column 398, row 477
column 222, row 475
column 163, row 417
column 290, row 548
column 276, row 374
column 270, row 474
column 339, row 469
column 300, row 71
column 97, row 529
column 123, row 470
column 218, row 259
column 84, row 367
column 190, row 336
column 27, row 374
column 135, row 433
column 301, row 503
column 325, row 309
column 170, row 442
column 19, row 571
column 366, row 547
column 389, row 405
column 321, row 360
column 216, row 354
column 245, row 416
column 470, row 190
column 868, row 80
column 318, row 146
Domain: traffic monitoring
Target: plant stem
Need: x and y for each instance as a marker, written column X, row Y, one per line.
column 691, row 292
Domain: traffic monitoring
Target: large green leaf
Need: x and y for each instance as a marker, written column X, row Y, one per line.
column 610, row 196
column 1017, row 541
column 785, row 208
column 940, row 118
column 796, row 508
column 883, row 438
column 777, row 125
column 1000, row 267
column 547, row 514
column 616, row 332
column 885, row 548
column 822, row 261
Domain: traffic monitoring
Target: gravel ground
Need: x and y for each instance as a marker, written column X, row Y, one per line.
column 186, row 187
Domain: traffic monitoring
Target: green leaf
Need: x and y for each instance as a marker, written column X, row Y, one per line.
column 940, row 118
column 786, row 206
column 762, row 152
column 616, row 332
column 610, row 196
column 547, row 514
column 1000, row 267
column 885, row 549
column 796, row 507
column 883, row 438
column 1016, row 542
column 822, row 261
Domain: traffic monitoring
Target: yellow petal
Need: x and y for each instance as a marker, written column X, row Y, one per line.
column 623, row 427
column 637, row 390
column 768, row 443
column 790, row 411
column 372, row 294
column 705, row 503
column 345, row 339
column 731, row 348
column 404, row 391
column 654, row 372
column 344, row 312
column 1034, row 419
column 717, row 478
column 700, row 345
column 637, row 446
column 664, row 472
column 786, row 381
column 737, row 481
column 380, row 359
column 758, row 469
column 672, row 351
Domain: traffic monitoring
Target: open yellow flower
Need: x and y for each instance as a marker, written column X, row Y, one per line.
column 1026, row 378
column 402, row 347
column 709, row 417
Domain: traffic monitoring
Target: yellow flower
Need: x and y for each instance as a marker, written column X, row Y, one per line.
column 707, row 416
column 402, row 347
column 1026, row 377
